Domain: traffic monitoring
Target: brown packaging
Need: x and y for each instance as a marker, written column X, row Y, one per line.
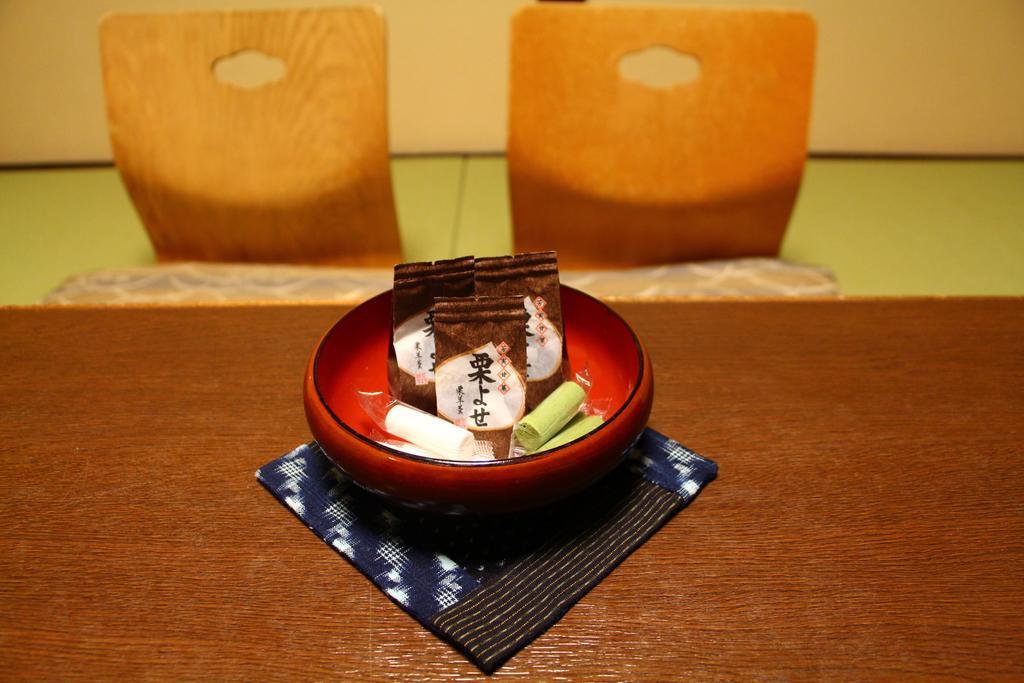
column 411, row 351
column 481, row 366
column 534, row 277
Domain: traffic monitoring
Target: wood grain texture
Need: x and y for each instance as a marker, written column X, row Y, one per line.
column 707, row 169
column 293, row 171
column 867, row 521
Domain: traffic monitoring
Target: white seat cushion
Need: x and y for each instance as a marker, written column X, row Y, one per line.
column 212, row 282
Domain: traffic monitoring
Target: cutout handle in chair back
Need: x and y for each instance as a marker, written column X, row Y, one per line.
column 649, row 134
column 254, row 136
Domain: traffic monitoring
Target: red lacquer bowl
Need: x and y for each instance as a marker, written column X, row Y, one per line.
column 353, row 354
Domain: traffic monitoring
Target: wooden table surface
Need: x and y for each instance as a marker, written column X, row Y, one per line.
column 868, row 519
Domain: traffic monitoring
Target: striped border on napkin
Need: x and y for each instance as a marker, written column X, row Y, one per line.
column 490, row 586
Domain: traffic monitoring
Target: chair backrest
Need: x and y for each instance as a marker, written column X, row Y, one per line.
column 612, row 172
column 295, row 170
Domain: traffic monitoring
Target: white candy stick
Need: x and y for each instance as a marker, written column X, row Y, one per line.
column 407, row 447
column 431, row 433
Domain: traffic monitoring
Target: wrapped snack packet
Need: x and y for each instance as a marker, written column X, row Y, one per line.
column 481, row 366
column 436, row 437
column 411, row 352
column 534, row 278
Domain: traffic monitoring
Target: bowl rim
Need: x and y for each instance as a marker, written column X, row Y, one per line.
column 508, row 462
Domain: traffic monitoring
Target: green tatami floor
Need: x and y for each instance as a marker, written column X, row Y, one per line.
column 884, row 227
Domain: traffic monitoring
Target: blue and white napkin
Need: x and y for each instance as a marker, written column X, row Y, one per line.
column 489, row 586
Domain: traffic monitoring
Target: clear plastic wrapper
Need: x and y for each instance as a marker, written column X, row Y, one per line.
column 591, row 406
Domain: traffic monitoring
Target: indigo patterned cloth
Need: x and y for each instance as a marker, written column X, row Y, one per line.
column 491, row 585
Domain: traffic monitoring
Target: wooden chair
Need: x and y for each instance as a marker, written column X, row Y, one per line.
column 613, row 172
column 296, row 170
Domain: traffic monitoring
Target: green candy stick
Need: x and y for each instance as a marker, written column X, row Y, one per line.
column 577, row 427
column 553, row 413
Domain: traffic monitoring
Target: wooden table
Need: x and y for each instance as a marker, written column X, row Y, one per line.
column 868, row 520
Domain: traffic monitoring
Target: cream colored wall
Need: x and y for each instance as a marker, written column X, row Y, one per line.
column 894, row 76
